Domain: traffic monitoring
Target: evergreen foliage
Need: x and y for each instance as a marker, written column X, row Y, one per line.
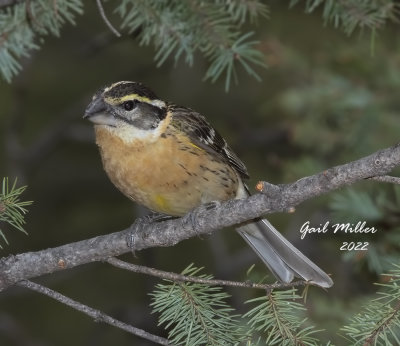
column 12, row 210
column 350, row 15
column 196, row 314
column 23, row 25
column 178, row 28
column 181, row 28
column 277, row 316
column 378, row 323
column 213, row 28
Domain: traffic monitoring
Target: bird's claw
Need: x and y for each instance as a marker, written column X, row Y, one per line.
column 193, row 215
column 140, row 223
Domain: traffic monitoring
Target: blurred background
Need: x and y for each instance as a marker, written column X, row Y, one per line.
column 325, row 99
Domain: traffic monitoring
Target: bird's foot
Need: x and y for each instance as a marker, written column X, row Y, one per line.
column 140, row 223
column 193, row 215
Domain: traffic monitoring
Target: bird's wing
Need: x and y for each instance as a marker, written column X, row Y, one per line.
column 202, row 134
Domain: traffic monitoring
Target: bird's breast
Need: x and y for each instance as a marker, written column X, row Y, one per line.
column 170, row 175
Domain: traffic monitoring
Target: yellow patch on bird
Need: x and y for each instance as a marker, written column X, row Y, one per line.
column 195, row 146
column 161, row 203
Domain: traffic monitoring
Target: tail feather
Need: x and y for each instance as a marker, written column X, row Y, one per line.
column 280, row 256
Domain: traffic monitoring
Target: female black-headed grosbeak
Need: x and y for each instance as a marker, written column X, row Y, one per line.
column 169, row 159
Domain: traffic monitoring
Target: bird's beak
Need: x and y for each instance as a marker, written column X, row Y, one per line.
column 97, row 113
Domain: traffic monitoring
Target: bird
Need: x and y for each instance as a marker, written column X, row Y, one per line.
column 169, row 159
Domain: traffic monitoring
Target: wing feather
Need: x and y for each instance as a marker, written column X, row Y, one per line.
column 202, row 134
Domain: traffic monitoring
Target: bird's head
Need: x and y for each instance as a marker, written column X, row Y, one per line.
column 125, row 105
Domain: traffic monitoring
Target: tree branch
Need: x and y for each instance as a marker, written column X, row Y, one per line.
column 202, row 220
column 211, row 282
column 387, row 179
column 97, row 315
column 105, row 19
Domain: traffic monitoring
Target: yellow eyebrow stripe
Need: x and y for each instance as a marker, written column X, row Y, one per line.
column 134, row 97
column 119, row 100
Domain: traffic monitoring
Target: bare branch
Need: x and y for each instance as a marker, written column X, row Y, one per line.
column 105, row 19
column 386, row 179
column 97, row 315
column 202, row 220
column 211, row 282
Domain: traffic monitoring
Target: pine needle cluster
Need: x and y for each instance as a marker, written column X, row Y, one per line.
column 378, row 323
column 23, row 26
column 12, row 210
column 350, row 15
column 196, row 314
column 277, row 317
column 212, row 28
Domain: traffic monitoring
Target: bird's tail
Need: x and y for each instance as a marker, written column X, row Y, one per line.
column 280, row 256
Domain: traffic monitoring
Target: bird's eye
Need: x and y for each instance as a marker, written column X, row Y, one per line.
column 129, row 105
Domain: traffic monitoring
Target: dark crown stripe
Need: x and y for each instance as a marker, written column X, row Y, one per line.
column 130, row 88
